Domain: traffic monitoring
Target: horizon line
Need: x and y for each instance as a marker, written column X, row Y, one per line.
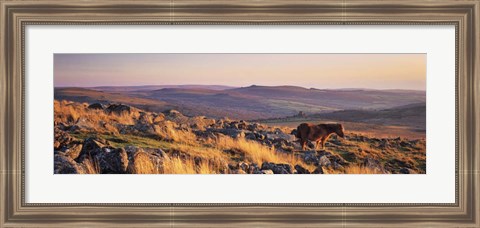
column 252, row 85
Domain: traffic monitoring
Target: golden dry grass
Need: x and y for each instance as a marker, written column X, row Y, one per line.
column 205, row 168
column 180, row 166
column 182, row 136
column 143, row 165
column 70, row 112
column 357, row 169
column 200, row 151
column 173, row 165
column 91, row 167
column 214, row 154
column 258, row 153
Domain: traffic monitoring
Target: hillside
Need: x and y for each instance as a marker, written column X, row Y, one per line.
column 336, row 99
column 93, row 96
column 157, row 87
column 407, row 115
column 120, row 139
column 405, row 121
column 263, row 102
column 247, row 103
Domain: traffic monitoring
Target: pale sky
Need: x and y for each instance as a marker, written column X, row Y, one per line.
column 322, row 71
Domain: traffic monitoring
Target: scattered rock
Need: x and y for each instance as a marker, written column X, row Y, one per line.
column 82, row 124
column 324, row 161
column 74, row 151
column 384, row 144
column 337, row 166
column 277, row 168
column 267, row 171
column 260, row 136
column 300, row 170
column 243, row 166
column 113, row 161
column 141, row 162
column 62, row 139
column 145, row 118
column 238, row 171
column 66, row 165
column 254, row 169
column 119, row 109
column 177, row 117
column 157, row 118
column 407, row 171
column 145, row 129
column 405, row 144
column 280, row 135
column 251, row 136
column 255, row 127
column 242, row 125
column 96, row 106
column 234, row 133
column 310, row 157
column 373, row 164
column 339, row 153
column 318, row 170
column 90, row 147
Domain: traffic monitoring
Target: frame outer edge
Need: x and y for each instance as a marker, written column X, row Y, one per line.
column 476, row 112
column 8, row 108
column 3, row 118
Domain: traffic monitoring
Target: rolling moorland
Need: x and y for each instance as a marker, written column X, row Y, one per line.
column 247, row 103
column 217, row 129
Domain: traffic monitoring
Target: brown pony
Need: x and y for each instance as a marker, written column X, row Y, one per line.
column 317, row 133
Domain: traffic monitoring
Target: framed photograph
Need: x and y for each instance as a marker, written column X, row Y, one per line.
column 239, row 114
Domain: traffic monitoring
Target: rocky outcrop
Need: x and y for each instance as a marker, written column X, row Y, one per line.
column 112, row 160
column 318, row 170
column 90, row 147
column 119, row 109
column 234, row 133
column 300, row 170
column 145, row 162
column 373, row 165
column 74, row 150
column 66, row 165
column 267, row 171
column 62, row 139
column 277, row 168
column 96, row 106
column 78, row 148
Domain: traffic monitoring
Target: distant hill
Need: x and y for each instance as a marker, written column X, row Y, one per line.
column 252, row 102
column 408, row 115
column 93, row 96
column 257, row 102
column 339, row 99
column 157, row 87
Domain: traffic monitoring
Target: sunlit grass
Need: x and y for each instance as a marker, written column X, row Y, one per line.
column 357, row 169
column 127, row 140
column 70, row 112
column 187, row 166
column 258, row 153
column 185, row 153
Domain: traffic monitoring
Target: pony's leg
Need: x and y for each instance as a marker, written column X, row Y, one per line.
column 324, row 140
column 316, row 145
column 323, row 143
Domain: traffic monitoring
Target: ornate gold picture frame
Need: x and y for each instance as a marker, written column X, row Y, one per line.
column 16, row 15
